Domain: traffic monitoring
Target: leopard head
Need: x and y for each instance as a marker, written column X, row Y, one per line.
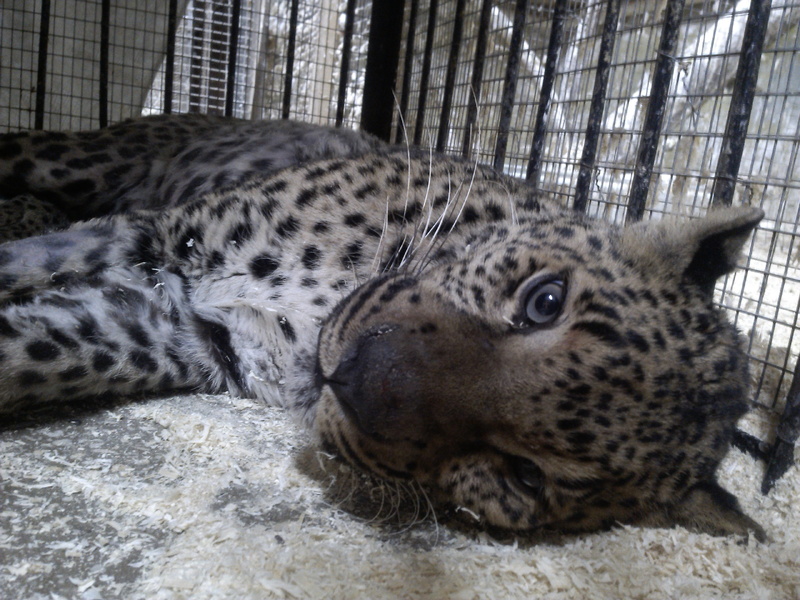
column 558, row 372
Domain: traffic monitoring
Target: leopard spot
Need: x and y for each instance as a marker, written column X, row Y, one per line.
column 263, row 266
column 41, row 351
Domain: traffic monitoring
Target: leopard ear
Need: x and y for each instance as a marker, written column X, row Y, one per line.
column 699, row 250
column 708, row 508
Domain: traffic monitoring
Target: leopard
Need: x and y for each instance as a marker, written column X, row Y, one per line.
column 426, row 318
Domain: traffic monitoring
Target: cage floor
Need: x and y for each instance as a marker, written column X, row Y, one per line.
column 216, row 497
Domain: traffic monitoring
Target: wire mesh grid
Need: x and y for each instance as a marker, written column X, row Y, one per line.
column 18, row 59
column 290, row 60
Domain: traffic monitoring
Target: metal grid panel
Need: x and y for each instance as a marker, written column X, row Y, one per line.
column 289, row 62
column 79, row 65
column 629, row 84
column 572, row 93
column 18, row 62
column 137, row 52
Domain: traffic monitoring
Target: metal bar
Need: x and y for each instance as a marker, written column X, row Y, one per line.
column 450, row 79
column 41, row 73
column 477, row 76
column 169, row 67
column 105, row 41
column 196, row 61
column 408, row 60
column 287, row 80
column 344, row 71
column 233, row 46
column 654, row 118
column 510, row 84
column 426, row 71
column 586, row 171
column 546, row 93
column 741, row 103
column 383, row 53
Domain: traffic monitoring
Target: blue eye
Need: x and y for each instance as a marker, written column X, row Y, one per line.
column 545, row 301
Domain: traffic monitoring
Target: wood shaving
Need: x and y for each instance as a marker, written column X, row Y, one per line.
column 210, row 497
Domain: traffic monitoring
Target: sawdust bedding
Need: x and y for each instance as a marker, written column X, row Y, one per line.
column 216, row 497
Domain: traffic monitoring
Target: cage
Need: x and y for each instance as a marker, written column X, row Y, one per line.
column 629, row 108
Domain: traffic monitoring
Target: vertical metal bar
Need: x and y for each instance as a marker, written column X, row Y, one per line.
column 287, row 80
column 196, row 61
column 584, row 182
column 169, row 67
column 41, row 73
column 477, row 76
column 344, row 71
column 383, row 53
column 233, row 46
column 741, row 103
column 510, row 85
column 546, row 93
column 105, row 41
column 426, row 71
column 408, row 60
column 450, row 79
column 654, row 118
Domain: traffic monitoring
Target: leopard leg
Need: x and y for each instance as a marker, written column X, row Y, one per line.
column 82, row 252
column 117, row 333
column 92, row 173
column 26, row 215
column 93, row 310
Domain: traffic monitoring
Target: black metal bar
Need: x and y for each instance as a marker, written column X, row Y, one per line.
column 287, row 80
column 546, row 93
column 41, row 72
column 408, row 60
column 169, row 67
column 105, row 41
column 510, row 84
column 654, row 118
column 741, row 103
column 383, row 53
column 426, row 71
column 586, row 171
column 477, row 76
column 450, row 78
column 196, row 61
column 233, row 46
column 344, row 71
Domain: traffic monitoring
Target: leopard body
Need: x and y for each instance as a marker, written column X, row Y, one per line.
column 426, row 317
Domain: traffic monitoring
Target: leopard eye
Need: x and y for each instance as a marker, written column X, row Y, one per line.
column 545, row 301
column 528, row 475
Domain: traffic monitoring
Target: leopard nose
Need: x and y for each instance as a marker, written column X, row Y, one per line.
column 377, row 384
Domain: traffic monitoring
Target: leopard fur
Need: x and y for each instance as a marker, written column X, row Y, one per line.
column 428, row 318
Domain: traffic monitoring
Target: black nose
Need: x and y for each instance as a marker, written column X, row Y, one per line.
column 375, row 385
